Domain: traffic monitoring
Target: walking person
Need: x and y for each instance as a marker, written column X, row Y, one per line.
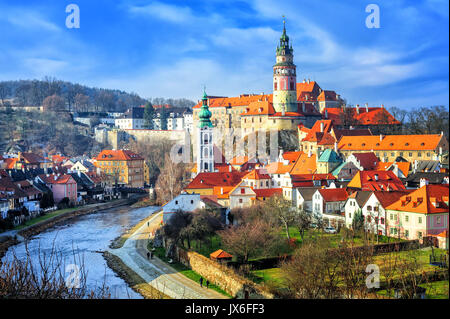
column 148, row 255
column 201, row 282
column 207, row 283
column 151, row 255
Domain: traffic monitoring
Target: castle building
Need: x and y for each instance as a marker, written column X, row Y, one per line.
column 205, row 152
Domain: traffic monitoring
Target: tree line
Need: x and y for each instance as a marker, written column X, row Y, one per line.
column 77, row 97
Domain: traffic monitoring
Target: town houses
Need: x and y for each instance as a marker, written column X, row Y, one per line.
column 344, row 165
column 32, row 184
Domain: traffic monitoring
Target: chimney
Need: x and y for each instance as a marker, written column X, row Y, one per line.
column 304, row 80
column 367, row 107
column 309, row 81
column 381, row 137
column 335, row 147
column 321, row 127
column 229, row 168
column 55, row 177
column 326, row 113
column 376, row 177
column 357, row 108
column 423, row 182
column 221, row 190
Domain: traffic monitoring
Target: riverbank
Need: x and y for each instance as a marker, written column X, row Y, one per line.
column 119, row 241
column 36, row 228
column 154, row 272
column 136, row 282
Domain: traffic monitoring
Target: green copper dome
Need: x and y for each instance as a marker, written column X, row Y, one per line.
column 205, row 114
column 283, row 48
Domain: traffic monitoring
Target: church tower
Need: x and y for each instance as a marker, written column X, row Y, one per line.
column 284, row 77
column 205, row 152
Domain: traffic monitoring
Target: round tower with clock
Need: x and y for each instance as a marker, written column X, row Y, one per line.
column 205, row 150
column 285, row 77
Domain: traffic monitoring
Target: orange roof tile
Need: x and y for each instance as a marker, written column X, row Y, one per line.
column 305, row 164
column 292, row 157
column 390, row 142
column 118, row 155
column 369, row 116
column 428, row 199
column 326, row 95
column 333, row 194
column 278, row 168
column 267, row 192
column 376, row 181
column 210, row 180
column 10, row 162
column 220, row 254
column 256, row 174
column 242, row 100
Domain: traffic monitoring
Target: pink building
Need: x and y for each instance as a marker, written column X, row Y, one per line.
column 61, row 186
column 420, row 214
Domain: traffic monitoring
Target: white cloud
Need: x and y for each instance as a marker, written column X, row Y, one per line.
column 165, row 12
column 27, row 19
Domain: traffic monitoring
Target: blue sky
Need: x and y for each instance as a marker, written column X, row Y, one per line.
column 173, row 48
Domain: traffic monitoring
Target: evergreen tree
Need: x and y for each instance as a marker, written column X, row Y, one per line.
column 163, row 118
column 149, row 115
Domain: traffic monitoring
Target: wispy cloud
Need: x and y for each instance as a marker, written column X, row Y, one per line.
column 171, row 13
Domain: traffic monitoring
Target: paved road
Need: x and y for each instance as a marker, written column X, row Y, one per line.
column 157, row 273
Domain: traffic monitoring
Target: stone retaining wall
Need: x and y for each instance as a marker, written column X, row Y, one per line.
column 222, row 276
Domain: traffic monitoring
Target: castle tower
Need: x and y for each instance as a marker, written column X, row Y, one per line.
column 205, row 153
column 284, row 77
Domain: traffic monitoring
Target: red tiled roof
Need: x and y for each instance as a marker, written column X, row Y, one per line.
column 267, row 192
column 390, row 142
column 256, row 174
column 209, row 180
column 307, row 180
column 32, row 158
column 334, row 194
column 326, row 95
column 371, row 116
column 118, row 155
column 220, row 254
column 429, row 199
column 369, row 161
column 61, row 179
column 291, row 156
column 387, row 198
column 376, row 181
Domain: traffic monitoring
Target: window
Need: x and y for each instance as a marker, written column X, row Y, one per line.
column 240, row 200
column 420, row 220
column 192, row 202
column 369, row 208
column 419, row 154
column 438, row 219
column 176, row 202
column 242, row 190
column 406, row 233
column 349, row 215
column 406, row 218
column 382, row 220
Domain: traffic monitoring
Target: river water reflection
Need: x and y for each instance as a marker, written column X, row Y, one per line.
column 88, row 236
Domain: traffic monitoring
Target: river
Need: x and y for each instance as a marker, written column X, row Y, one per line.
column 87, row 236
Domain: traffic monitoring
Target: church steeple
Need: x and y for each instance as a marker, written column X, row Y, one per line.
column 205, row 114
column 205, row 148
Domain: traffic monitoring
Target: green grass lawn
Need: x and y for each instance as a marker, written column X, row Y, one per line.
column 45, row 217
column 270, row 276
column 182, row 269
column 437, row 290
column 206, row 248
